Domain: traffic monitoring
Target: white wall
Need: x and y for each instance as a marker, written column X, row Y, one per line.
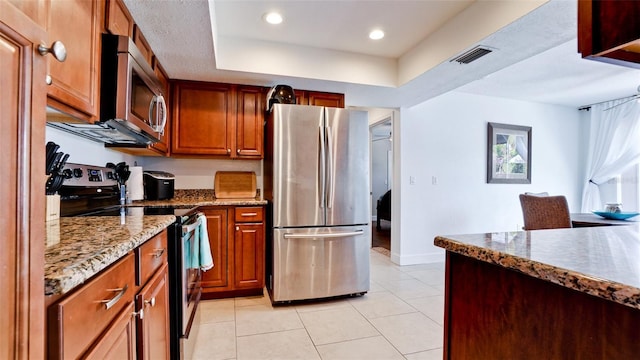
column 200, row 173
column 446, row 139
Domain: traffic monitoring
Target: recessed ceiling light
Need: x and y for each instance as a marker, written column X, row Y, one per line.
column 272, row 18
column 376, row 34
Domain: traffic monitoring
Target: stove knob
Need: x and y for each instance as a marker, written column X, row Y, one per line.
column 67, row 173
column 77, row 172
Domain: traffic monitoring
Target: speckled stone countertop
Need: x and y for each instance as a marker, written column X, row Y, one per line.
column 601, row 261
column 79, row 247
column 200, row 197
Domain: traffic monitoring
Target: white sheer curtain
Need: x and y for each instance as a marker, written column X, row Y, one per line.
column 614, row 145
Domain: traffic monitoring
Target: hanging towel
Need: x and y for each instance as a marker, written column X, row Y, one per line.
column 205, row 259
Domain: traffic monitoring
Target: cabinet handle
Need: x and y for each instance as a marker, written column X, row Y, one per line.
column 48, row 80
column 108, row 304
column 249, row 214
column 157, row 253
column 151, row 302
column 57, row 49
column 228, row 151
column 238, row 151
column 140, row 314
column 237, row 228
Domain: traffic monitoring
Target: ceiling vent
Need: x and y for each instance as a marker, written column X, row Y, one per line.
column 472, row 55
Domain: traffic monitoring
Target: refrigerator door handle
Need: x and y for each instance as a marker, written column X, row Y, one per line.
column 322, row 168
column 329, row 167
column 324, row 236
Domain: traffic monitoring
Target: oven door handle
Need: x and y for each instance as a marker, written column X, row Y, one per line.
column 189, row 228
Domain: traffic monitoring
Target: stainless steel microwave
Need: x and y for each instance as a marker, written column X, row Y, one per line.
column 133, row 112
column 130, row 91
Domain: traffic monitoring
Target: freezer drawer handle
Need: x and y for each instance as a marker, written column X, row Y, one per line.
column 331, row 235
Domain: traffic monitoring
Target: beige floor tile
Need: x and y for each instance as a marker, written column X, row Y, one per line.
column 212, row 311
column 410, row 289
column 336, row 325
column 289, row 345
column 410, row 333
column 253, row 300
column 260, row 319
column 381, row 304
column 432, row 306
column 366, row 349
column 375, row 287
column 323, row 305
column 216, row 341
column 429, row 277
column 435, row 354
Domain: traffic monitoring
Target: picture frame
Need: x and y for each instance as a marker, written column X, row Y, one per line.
column 508, row 154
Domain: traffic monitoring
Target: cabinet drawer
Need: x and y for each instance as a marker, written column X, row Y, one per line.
column 150, row 257
column 249, row 214
column 77, row 320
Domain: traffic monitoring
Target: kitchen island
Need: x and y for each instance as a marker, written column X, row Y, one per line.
column 565, row 293
column 80, row 247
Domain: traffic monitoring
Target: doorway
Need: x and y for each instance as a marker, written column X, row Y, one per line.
column 381, row 182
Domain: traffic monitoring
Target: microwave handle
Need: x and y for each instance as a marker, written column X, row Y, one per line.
column 159, row 125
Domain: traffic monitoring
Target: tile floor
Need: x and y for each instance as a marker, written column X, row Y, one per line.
column 400, row 318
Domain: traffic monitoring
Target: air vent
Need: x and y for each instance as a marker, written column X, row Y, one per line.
column 472, row 55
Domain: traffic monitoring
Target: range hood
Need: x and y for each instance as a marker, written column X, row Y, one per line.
column 113, row 133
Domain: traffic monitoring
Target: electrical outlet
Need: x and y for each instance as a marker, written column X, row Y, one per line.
column 412, row 180
column 434, row 180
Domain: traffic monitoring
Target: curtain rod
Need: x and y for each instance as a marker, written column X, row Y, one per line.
column 629, row 98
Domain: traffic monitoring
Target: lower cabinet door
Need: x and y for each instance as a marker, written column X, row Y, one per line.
column 249, row 256
column 217, row 277
column 152, row 303
column 119, row 339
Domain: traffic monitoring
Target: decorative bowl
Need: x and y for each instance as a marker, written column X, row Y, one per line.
column 616, row 215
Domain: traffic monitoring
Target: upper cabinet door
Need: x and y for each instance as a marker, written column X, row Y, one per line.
column 22, row 120
column 76, row 81
column 203, row 119
column 250, row 122
column 118, row 19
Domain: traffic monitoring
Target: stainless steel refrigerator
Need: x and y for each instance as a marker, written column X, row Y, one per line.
column 316, row 181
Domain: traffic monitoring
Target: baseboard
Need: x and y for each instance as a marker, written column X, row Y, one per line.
column 418, row 259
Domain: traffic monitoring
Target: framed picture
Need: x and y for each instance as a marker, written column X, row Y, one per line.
column 508, row 154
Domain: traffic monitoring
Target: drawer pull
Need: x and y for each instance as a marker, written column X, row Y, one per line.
column 108, row 304
column 151, row 302
column 249, row 214
column 139, row 314
column 157, row 253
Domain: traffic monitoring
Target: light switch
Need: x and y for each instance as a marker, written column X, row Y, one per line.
column 434, row 180
column 412, row 180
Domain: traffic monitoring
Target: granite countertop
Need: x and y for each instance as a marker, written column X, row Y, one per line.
column 601, row 261
column 200, row 197
column 79, row 247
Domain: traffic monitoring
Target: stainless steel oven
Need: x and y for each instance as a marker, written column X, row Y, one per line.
column 188, row 289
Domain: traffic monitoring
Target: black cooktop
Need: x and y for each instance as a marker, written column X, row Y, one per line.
column 177, row 211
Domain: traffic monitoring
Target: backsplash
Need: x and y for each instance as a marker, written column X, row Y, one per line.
column 199, row 173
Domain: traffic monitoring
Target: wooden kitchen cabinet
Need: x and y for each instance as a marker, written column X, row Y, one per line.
column 118, row 20
column 142, row 45
column 75, row 87
column 119, row 340
column 318, row 98
column 217, row 120
column 249, row 248
column 121, row 313
column 77, row 322
column 217, row 277
column 236, row 236
column 250, row 109
column 609, row 31
column 153, row 325
column 22, row 120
